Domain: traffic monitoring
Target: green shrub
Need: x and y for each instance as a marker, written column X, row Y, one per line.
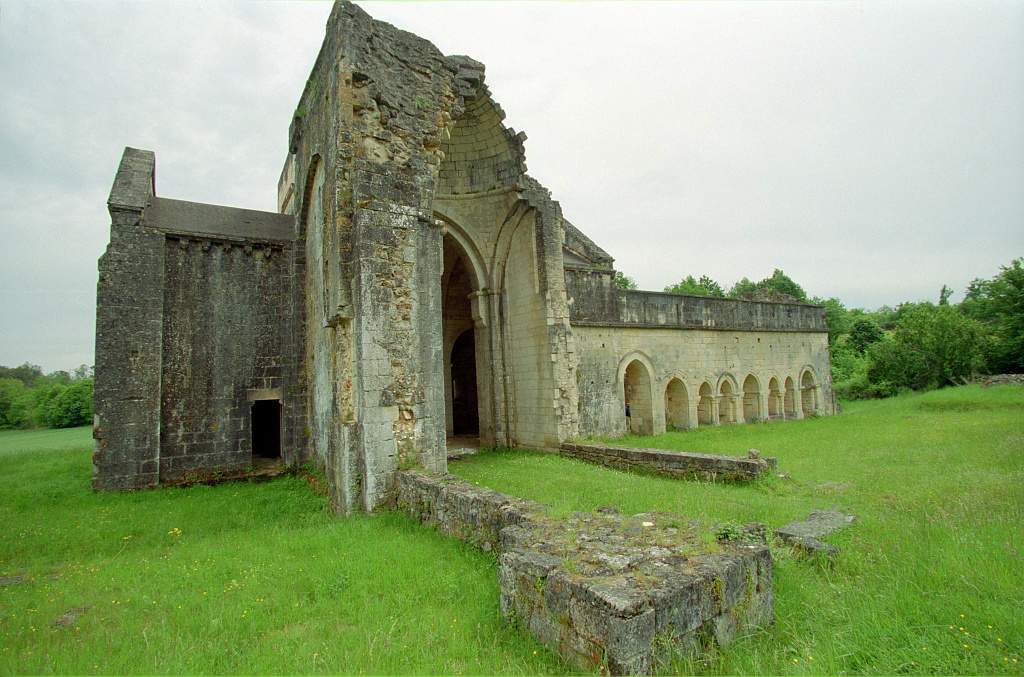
column 65, row 406
column 931, row 346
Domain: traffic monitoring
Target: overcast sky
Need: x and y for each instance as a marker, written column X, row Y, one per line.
column 873, row 151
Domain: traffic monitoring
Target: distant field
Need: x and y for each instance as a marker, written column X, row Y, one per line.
column 259, row 578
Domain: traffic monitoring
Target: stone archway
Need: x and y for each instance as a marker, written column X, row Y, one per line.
column 636, row 383
column 726, row 402
column 466, row 372
column 751, row 399
column 790, row 399
column 774, row 399
column 706, row 405
column 677, row 406
column 808, row 394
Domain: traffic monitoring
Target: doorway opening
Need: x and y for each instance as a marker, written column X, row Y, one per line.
column 266, row 432
column 465, row 411
column 462, row 405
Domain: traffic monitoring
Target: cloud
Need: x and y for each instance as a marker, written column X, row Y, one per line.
column 872, row 151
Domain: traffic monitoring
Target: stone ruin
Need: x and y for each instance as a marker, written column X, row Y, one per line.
column 416, row 286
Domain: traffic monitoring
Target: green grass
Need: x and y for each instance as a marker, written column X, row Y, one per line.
column 261, row 579
column 937, row 484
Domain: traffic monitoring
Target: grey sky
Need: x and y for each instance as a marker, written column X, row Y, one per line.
column 873, row 151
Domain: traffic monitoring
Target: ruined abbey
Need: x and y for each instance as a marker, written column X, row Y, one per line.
column 416, row 285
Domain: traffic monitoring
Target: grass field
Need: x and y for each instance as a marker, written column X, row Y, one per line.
column 245, row 577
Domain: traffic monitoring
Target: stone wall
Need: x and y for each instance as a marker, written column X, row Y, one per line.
column 675, row 464
column 223, row 346
column 783, row 366
column 192, row 326
column 129, row 328
column 598, row 302
column 388, row 131
column 605, row 591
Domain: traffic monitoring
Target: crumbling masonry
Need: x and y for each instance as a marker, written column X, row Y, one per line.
column 416, row 284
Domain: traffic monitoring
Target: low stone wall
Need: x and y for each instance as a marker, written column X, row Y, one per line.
column 456, row 508
column 1003, row 380
column 605, row 591
column 678, row 464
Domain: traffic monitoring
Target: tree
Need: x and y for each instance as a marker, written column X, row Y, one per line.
column 864, row 332
column 944, row 295
column 70, row 406
column 14, row 401
column 743, row 287
column 999, row 304
column 783, row 284
column 776, row 283
column 26, row 373
column 705, row 286
column 623, row 281
column 837, row 317
column 931, row 346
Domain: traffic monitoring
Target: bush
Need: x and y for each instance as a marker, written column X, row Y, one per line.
column 65, row 406
column 15, row 404
column 931, row 346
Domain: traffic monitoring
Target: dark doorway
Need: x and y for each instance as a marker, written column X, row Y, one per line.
column 465, row 417
column 266, row 429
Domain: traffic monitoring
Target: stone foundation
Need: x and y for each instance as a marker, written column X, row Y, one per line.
column 675, row 464
column 603, row 590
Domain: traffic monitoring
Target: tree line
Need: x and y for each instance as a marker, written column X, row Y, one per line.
column 31, row 399
column 914, row 346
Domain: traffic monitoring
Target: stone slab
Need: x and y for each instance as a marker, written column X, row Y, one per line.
column 807, row 533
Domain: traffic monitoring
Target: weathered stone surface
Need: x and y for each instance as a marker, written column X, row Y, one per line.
column 677, row 464
column 408, row 223
column 602, row 589
column 806, row 534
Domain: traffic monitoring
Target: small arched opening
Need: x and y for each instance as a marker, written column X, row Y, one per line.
column 808, row 394
column 774, row 399
column 637, row 393
column 751, row 399
column 790, row 398
column 726, row 402
column 677, row 406
column 706, row 405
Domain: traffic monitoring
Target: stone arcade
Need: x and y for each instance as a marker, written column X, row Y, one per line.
column 417, row 284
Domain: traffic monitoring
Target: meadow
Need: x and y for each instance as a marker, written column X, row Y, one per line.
column 260, row 578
